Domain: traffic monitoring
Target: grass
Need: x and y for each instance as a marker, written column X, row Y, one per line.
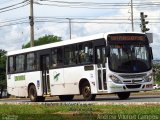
column 76, row 112
column 157, row 82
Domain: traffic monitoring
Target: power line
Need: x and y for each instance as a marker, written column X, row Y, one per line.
column 80, row 20
column 11, row 24
column 93, row 5
column 100, row 22
column 14, row 20
column 98, row 3
column 88, row 7
column 7, row 1
column 85, row 18
column 83, row 3
column 13, row 7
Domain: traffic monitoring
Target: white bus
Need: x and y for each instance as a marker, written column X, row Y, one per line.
column 118, row 63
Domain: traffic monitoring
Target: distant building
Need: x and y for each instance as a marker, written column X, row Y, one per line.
column 156, row 61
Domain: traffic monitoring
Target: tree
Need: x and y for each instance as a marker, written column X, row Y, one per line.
column 44, row 40
column 3, row 82
column 156, row 75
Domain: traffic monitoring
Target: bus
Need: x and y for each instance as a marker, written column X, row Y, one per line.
column 118, row 63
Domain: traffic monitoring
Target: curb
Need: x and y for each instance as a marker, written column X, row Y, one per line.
column 79, row 103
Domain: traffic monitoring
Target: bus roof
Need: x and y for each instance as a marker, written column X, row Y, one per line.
column 62, row 43
column 56, row 44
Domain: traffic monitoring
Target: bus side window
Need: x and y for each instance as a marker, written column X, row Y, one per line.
column 57, row 57
column 70, row 55
column 20, row 60
column 31, row 61
column 54, row 57
column 11, row 68
column 85, row 53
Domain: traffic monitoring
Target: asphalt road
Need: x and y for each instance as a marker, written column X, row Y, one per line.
column 99, row 99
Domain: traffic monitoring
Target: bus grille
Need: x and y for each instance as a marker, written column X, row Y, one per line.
column 132, row 76
column 133, row 86
column 131, row 81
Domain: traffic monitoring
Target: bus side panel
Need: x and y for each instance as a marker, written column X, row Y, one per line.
column 17, row 84
column 57, row 81
column 66, row 81
column 72, row 77
column 11, row 85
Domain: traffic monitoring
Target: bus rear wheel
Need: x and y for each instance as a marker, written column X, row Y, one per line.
column 123, row 95
column 66, row 97
column 33, row 95
column 86, row 92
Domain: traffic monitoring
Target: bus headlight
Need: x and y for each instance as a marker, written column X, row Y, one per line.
column 148, row 78
column 115, row 79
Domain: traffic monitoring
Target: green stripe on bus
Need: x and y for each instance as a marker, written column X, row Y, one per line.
column 18, row 78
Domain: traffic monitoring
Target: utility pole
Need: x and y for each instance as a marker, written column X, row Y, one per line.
column 31, row 18
column 70, row 28
column 132, row 22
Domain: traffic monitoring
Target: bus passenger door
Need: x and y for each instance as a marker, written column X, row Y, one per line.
column 101, row 68
column 45, row 74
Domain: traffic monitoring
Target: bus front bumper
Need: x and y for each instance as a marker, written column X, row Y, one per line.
column 114, row 88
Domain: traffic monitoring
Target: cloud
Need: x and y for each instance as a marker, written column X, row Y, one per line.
column 50, row 29
column 14, row 36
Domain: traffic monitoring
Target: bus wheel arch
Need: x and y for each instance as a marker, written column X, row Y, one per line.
column 85, row 90
column 30, row 86
column 32, row 93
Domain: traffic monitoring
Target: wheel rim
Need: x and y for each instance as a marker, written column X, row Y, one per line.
column 86, row 91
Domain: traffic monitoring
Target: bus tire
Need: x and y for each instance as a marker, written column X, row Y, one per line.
column 123, row 95
column 66, row 97
column 86, row 92
column 33, row 93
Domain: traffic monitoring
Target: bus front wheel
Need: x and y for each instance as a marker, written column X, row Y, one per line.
column 123, row 95
column 86, row 92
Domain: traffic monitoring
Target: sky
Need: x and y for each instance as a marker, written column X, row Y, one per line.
column 86, row 19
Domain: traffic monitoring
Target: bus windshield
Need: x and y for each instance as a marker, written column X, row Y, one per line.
column 128, row 58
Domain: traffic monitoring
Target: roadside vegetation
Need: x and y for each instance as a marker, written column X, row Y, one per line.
column 156, row 74
column 78, row 111
column 43, row 40
column 3, row 83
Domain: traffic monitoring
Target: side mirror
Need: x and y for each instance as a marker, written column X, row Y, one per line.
column 151, row 53
column 107, row 51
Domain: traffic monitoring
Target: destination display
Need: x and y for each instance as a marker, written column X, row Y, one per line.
column 127, row 37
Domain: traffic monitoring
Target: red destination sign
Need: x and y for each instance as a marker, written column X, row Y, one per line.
column 127, row 37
